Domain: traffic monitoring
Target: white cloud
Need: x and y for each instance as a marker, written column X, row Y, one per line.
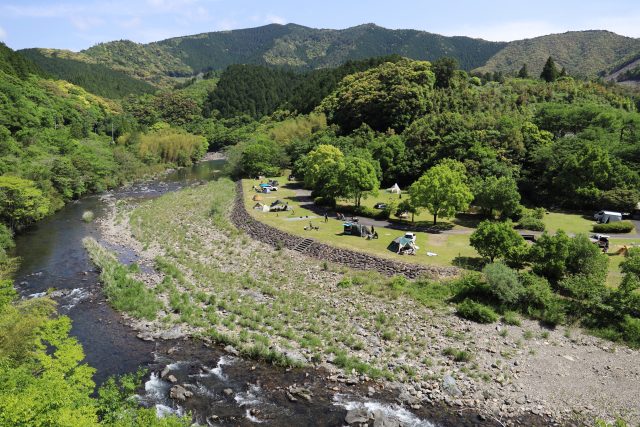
column 84, row 23
column 3, row 34
column 131, row 23
column 226, row 24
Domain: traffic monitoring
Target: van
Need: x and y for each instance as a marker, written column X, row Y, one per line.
column 605, row 217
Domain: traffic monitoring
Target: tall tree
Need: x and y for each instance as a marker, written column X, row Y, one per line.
column 524, row 72
column 495, row 239
column 21, row 202
column 444, row 69
column 358, row 177
column 549, row 71
column 499, row 194
column 442, row 190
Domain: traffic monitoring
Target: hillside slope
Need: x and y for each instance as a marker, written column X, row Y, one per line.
column 582, row 53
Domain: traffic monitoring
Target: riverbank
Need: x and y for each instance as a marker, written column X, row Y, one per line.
column 261, row 298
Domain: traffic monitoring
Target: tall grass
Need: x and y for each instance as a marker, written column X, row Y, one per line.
column 123, row 291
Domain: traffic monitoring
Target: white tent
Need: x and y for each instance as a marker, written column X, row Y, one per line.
column 395, row 189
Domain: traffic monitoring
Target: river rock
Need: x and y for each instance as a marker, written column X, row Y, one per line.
column 227, row 392
column 172, row 379
column 165, row 372
column 172, row 334
column 296, row 357
column 450, row 387
column 231, row 350
column 301, row 392
column 178, row 392
column 357, row 416
column 380, row 419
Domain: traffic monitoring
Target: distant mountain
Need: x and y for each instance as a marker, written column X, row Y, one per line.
column 298, row 48
column 292, row 46
column 582, row 53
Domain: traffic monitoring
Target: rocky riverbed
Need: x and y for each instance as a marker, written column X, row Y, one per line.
column 506, row 374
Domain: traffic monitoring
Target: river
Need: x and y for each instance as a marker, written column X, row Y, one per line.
column 227, row 390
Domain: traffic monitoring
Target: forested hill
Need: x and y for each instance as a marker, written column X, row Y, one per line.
column 582, row 53
column 292, row 46
column 298, row 46
column 96, row 78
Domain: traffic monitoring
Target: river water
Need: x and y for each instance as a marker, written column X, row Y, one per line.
column 227, row 390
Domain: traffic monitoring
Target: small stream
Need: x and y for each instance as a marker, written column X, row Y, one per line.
column 227, row 390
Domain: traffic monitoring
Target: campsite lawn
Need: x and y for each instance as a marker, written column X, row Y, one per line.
column 447, row 246
column 452, row 248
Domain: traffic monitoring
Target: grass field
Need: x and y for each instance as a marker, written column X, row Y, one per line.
column 452, row 248
column 446, row 246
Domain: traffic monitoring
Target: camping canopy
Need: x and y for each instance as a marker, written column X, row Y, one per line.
column 403, row 245
column 352, row 229
column 395, row 189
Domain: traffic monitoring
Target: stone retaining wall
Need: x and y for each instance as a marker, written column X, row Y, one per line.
column 359, row 260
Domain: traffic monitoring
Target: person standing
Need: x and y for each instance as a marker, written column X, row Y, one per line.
column 326, row 217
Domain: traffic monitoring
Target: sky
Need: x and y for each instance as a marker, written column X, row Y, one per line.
column 79, row 24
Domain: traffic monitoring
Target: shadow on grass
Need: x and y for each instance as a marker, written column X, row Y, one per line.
column 470, row 263
column 468, row 220
column 425, row 226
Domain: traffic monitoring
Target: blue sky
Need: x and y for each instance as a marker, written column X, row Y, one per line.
column 78, row 24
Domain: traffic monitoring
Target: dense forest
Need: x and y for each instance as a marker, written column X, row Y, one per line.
column 95, row 78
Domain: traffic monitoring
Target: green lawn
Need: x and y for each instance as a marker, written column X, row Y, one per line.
column 446, row 246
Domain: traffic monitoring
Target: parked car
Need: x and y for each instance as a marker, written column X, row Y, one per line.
column 380, row 205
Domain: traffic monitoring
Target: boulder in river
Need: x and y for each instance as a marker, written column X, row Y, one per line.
column 178, row 392
column 357, row 416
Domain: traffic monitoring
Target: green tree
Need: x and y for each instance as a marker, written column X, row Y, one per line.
column 495, row 239
column 444, row 70
column 21, row 203
column 549, row 255
column 358, row 177
column 391, row 95
column 620, row 199
column 504, row 284
column 442, row 190
column 524, row 72
column 319, row 164
column 549, row 71
column 406, row 205
column 499, row 194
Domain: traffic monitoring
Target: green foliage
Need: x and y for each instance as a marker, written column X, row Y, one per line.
column 21, row 202
column 124, row 292
column 511, row 318
column 95, row 78
column 495, row 239
column 444, row 69
column 631, row 330
column 614, row 227
column 549, row 72
column 620, row 199
column 255, row 157
column 549, row 255
column 442, row 190
column 477, row 312
column 391, row 95
column 16, row 64
column 357, row 178
column 531, row 223
column 499, row 194
column 523, row 73
column 503, row 284
column 42, row 381
column 171, row 146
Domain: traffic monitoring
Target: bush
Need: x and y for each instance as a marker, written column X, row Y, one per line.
column 631, row 330
column 614, row 227
column 503, row 282
column 87, row 216
column 511, row 318
column 477, row 312
column 531, row 223
column 457, row 355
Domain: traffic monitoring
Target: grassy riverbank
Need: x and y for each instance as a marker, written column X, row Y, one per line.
column 217, row 283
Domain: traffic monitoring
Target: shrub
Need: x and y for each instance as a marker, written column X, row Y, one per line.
column 471, row 284
column 511, row 318
column 457, row 355
column 631, row 330
column 614, row 227
column 345, row 283
column 87, row 216
column 531, row 223
column 477, row 312
column 503, row 282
